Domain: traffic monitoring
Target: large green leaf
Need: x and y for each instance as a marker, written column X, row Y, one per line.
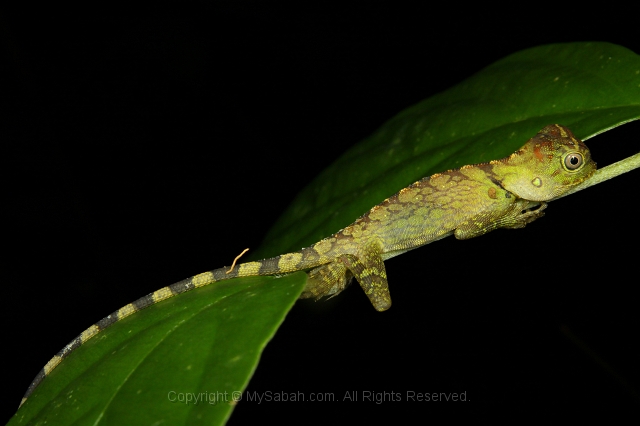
column 209, row 340
column 150, row 367
column 589, row 87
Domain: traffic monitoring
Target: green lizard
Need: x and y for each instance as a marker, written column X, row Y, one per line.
column 466, row 202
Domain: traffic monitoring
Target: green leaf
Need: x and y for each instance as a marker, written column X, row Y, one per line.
column 208, row 341
column 150, row 367
column 588, row 87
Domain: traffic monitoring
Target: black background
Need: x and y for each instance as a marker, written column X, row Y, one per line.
column 143, row 146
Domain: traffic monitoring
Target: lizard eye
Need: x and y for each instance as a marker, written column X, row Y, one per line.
column 573, row 161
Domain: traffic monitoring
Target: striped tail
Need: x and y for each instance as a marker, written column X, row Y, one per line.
column 305, row 259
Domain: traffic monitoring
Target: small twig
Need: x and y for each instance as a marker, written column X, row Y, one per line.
column 233, row 265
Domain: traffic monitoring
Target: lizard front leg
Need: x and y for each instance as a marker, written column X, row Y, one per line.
column 515, row 215
column 527, row 215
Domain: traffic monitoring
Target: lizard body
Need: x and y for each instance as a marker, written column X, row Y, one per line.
column 466, row 202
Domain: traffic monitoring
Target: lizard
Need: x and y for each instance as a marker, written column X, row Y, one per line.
column 466, row 202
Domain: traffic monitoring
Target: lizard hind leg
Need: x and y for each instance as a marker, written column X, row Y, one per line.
column 368, row 268
column 327, row 280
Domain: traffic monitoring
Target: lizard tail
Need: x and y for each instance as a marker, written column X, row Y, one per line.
column 305, row 259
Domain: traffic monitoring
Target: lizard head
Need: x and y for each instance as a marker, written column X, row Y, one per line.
column 548, row 165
